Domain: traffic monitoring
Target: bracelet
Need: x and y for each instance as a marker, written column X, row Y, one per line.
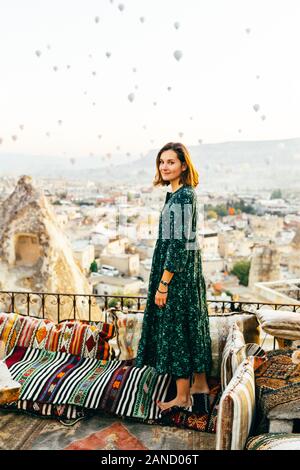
column 164, row 283
column 161, row 292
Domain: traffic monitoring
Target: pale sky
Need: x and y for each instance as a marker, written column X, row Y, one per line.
column 235, row 54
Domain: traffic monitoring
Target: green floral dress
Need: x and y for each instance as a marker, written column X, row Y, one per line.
column 175, row 339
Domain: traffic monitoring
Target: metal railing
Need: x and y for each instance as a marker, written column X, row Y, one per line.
column 90, row 307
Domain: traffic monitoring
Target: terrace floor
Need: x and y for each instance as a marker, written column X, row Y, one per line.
column 20, row 431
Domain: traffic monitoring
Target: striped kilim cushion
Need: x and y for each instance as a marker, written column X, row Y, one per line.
column 233, row 354
column 68, row 412
column 236, row 409
column 75, row 337
column 219, row 326
column 274, row 441
column 60, row 378
column 128, row 327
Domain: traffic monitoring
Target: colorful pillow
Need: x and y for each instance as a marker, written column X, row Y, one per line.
column 233, row 354
column 219, row 329
column 274, row 441
column 236, row 409
column 277, row 381
column 128, row 328
column 76, row 337
column 280, row 323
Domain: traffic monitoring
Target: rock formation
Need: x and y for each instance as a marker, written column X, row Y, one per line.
column 35, row 255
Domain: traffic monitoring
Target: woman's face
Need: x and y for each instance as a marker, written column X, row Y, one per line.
column 170, row 166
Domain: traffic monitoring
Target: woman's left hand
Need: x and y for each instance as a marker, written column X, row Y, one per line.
column 161, row 299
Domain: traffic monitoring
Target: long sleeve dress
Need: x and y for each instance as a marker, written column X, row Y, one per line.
column 175, row 339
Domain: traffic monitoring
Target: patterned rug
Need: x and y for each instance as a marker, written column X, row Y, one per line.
column 277, row 382
column 26, row 432
column 114, row 437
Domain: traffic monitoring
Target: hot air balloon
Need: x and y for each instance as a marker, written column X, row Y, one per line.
column 55, row 68
column 14, row 137
column 176, row 25
column 108, row 54
column 142, row 19
column 131, row 97
column 73, row 160
column 248, row 30
column 99, row 136
column 169, row 88
column 97, row 19
column 263, row 117
column 177, row 54
column 256, row 107
column 121, row 6
column 38, row 53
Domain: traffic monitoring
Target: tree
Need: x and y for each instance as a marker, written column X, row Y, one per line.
column 241, row 271
column 115, row 300
column 94, row 267
column 276, row 194
column 212, row 214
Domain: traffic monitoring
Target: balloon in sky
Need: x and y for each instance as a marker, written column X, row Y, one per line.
column 257, row 76
column 38, row 53
column 99, row 136
column 200, row 141
column 97, row 19
column 72, row 160
column 154, row 103
column 108, row 54
column 263, row 117
column 248, row 30
column 177, row 55
column 180, row 134
column 169, row 88
column 176, row 24
column 256, row 107
column 121, row 6
column 59, row 121
column 142, row 19
column 131, row 97
column 55, row 68
column 14, row 137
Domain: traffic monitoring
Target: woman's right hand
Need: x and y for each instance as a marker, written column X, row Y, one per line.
column 161, row 299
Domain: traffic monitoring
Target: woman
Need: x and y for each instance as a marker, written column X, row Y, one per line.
column 175, row 337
